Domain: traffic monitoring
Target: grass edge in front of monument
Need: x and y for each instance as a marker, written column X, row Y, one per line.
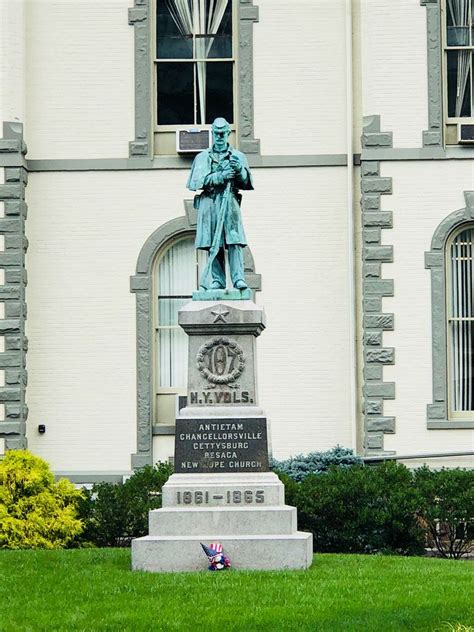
column 94, row 589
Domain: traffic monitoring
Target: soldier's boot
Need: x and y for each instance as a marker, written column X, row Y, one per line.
column 240, row 285
column 215, row 285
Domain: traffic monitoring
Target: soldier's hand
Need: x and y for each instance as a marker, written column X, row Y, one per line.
column 228, row 174
column 235, row 164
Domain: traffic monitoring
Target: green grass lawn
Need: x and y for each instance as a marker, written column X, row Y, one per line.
column 94, row 589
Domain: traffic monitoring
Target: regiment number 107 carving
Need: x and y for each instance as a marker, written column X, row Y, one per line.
column 220, row 361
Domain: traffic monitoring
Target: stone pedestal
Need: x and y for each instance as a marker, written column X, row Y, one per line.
column 222, row 489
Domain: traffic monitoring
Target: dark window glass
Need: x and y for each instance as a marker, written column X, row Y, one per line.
column 220, row 45
column 217, row 47
column 170, row 42
column 219, row 93
column 459, row 83
column 472, row 22
column 175, row 93
column 458, row 35
column 184, row 88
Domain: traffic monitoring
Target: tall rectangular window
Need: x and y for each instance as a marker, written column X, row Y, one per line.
column 194, row 62
column 459, row 48
column 460, row 313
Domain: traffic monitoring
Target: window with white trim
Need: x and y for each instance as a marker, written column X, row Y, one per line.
column 458, row 30
column 194, row 61
column 460, row 322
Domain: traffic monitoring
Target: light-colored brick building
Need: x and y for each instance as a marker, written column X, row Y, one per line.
column 359, row 226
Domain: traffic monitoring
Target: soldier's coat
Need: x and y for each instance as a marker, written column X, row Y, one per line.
column 208, row 203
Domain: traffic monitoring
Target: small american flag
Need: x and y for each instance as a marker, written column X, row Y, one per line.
column 215, row 553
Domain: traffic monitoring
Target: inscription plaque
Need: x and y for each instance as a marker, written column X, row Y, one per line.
column 221, row 445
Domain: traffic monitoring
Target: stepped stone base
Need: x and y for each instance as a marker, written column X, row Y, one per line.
column 217, row 486
column 222, row 490
column 164, row 554
column 244, row 512
column 225, row 521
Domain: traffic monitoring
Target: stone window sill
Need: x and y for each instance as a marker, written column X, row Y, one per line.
column 444, row 424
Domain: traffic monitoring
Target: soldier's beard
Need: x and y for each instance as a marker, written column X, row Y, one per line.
column 220, row 145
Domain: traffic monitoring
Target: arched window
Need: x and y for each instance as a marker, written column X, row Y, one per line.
column 460, row 322
column 176, row 277
column 450, row 261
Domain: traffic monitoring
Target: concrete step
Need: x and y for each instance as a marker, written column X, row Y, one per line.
column 223, row 520
column 220, row 490
column 166, row 554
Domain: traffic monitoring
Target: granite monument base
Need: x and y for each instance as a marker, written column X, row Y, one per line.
column 244, row 512
column 222, row 490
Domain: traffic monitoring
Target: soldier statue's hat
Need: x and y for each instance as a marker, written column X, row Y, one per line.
column 220, row 124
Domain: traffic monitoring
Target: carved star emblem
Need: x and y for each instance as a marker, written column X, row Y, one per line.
column 220, row 313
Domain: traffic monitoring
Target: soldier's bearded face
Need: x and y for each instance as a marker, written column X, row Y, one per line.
column 219, row 137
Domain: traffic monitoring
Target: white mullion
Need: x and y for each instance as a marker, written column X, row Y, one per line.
column 460, row 269
column 210, row 60
column 465, row 326
column 463, row 332
column 170, row 289
column 468, row 323
column 455, row 331
column 462, row 249
column 470, row 80
column 452, row 327
column 461, row 329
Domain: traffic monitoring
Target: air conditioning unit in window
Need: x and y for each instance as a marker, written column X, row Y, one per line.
column 466, row 134
column 192, row 141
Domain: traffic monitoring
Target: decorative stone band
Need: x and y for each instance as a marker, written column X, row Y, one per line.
column 12, row 293
column 437, row 410
column 375, row 321
column 139, row 17
column 432, row 137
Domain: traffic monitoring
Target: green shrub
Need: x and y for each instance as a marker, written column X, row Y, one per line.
column 300, row 466
column 446, row 509
column 114, row 514
column 360, row 509
column 35, row 511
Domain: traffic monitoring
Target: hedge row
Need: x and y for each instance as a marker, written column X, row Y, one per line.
column 349, row 507
column 355, row 508
column 386, row 509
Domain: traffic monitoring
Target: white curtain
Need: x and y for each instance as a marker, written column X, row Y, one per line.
column 199, row 17
column 177, row 276
column 459, row 13
column 464, row 66
column 461, row 324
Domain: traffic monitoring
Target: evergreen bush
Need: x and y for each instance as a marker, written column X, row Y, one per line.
column 446, row 509
column 300, row 466
column 35, row 511
column 361, row 509
column 114, row 514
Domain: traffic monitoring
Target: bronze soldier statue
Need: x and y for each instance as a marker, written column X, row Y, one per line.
column 220, row 172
